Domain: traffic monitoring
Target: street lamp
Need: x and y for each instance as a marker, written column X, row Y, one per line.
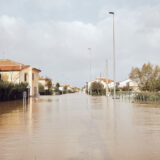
column 114, row 59
column 90, row 77
column 90, row 54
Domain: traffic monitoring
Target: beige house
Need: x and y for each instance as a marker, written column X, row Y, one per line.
column 16, row 73
column 43, row 81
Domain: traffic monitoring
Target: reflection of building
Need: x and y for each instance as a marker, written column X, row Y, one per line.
column 16, row 73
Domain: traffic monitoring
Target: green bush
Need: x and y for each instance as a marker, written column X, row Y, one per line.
column 49, row 92
column 97, row 88
column 10, row 91
column 41, row 89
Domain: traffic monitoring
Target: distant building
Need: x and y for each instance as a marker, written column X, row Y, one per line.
column 128, row 83
column 121, row 85
column 103, row 81
column 68, row 88
column 44, row 81
column 17, row 72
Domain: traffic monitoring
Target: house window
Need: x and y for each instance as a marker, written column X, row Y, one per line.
column 32, row 76
column 25, row 77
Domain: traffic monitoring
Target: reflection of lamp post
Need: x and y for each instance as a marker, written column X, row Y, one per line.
column 28, row 87
column 114, row 61
column 106, row 77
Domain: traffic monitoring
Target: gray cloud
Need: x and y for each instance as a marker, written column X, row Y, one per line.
column 67, row 10
column 60, row 46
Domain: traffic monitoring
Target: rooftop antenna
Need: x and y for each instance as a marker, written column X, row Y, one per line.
column 4, row 55
column 100, row 75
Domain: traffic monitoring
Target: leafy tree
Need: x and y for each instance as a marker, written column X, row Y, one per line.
column 97, row 88
column 49, row 86
column 41, row 89
column 57, row 88
column 49, row 83
column 147, row 77
column 57, row 85
column 65, row 89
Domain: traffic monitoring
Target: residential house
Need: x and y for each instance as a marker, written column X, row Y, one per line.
column 17, row 72
column 101, row 80
column 43, row 81
column 128, row 83
column 68, row 88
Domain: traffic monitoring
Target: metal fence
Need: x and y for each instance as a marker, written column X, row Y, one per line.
column 153, row 97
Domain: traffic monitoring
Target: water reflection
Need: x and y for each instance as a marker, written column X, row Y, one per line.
column 79, row 127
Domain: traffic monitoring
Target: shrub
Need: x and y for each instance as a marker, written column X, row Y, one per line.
column 10, row 91
column 41, row 89
column 147, row 96
column 97, row 88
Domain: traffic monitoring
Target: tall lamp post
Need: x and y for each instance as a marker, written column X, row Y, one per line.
column 90, row 77
column 90, row 54
column 114, row 59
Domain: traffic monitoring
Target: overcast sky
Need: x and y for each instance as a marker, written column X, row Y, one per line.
column 54, row 35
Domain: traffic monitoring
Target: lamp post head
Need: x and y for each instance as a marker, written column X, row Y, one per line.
column 111, row 12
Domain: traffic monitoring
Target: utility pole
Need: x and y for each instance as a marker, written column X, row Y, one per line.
column 90, row 55
column 4, row 55
column 107, row 78
column 100, row 75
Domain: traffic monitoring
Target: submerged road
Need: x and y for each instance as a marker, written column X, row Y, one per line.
column 79, row 127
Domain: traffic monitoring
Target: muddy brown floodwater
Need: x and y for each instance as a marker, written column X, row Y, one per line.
column 79, row 127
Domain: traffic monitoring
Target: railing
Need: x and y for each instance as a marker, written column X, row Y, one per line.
column 146, row 97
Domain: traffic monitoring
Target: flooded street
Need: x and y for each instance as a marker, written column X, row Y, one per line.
column 79, row 127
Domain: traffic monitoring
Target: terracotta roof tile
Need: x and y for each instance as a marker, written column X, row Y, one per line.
column 13, row 68
column 42, row 78
column 8, row 65
column 7, row 62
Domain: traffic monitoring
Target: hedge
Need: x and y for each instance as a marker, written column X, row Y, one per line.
column 11, row 91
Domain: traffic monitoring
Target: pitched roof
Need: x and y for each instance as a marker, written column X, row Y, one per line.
column 43, row 78
column 7, row 62
column 8, row 65
column 36, row 69
column 104, row 79
column 13, row 68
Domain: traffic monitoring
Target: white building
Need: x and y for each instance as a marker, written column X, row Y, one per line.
column 128, row 82
column 44, row 81
column 102, row 81
column 133, row 85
